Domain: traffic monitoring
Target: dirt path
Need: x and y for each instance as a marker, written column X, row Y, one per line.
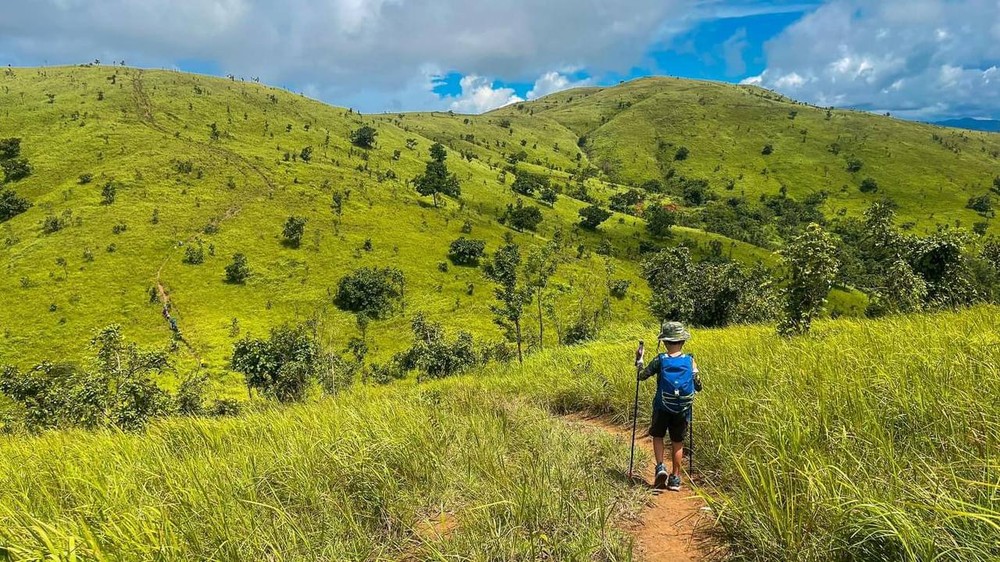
column 675, row 526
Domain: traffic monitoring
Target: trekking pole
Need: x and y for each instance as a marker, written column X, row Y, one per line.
column 635, row 404
column 691, row 444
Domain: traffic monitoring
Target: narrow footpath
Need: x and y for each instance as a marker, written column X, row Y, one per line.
column 675, row 526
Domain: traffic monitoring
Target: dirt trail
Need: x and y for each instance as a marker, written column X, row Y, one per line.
column 675, row 526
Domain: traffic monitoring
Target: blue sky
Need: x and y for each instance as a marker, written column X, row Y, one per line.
column 919, row 59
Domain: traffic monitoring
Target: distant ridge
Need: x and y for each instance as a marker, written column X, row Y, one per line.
column 988, row 125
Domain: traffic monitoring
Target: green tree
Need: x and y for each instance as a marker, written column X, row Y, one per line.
column 306, row 154
column 238, row 271
column 293, row 231
column 982, row 204
column 10, row 148
column 12, row 205
column 464, row 251
column 432, row 354
column 364, row 137
column 539, row 266
column 812, row 267
column 108, row 193
column 591, row 217
column 510, row 292
column 868, row 185
column 659, row 220
column 15, row 169
column 282, row 366
column 436, row 179
column 521, row 217
column 372, row 291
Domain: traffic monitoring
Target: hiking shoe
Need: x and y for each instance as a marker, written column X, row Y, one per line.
column 661, row 476
column 674, row 483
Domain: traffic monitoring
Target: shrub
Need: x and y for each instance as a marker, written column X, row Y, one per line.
column 238, row 271
column 696, row 193
column 812, row 267
column 194, row 255
column 52, row 224
column 282, row 366
column 591, row 217
column 15, row 169
column 618, row 288
column 10, row 148
column 108, row 193
column 86, row 178
column 433, row 355
column 682, row 153
column 190, row 397
column 11, row 205
column 464, row 251
column 869, row 185
column 659, row 220
column 364, row 137
column 854, row 165
column 548, row 196
column 371, row 291
column 521, row 217
column 767, row 150
column 294, row 229
column 527, row 183
column 625, row 201
column 982, row 204
column 306, row 154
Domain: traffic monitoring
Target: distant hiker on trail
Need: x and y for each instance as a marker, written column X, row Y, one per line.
column 677, row 381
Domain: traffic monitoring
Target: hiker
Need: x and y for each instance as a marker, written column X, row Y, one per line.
column 677, row 381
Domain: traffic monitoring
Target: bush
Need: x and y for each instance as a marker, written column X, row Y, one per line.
column 812, row 267
column 194, row 255
column 12, row 205
column 238, row 271
column 282, row 366
column 433, row 355
column 52, row 224
column 527, row 183
column 696, row 193
column 625, row 201
column 869, row 185
column 86, row 178
column 982, row 204
column 294, row 229
column 190, row 397
column 854, row 165
column 521, row 217
column 10, row 148
column 618, row 288
column 371, row 291
column 364, row 137
column 659, row 220
column 548, row 196
column 15, row 169
column 464, row 251
column 108, row 193
column 591, row 217
column 767, row 150
column 306, row 154
column 682, row 153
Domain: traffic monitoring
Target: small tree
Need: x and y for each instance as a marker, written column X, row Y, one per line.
column 854, row 164
column 812, row 267
column 10, row 148
column 548, row 196
column 982, row 204
column 108, row 193
column 464, row 251
column 540, row 265
column 659, row 220
column 591, row 217
column 306, row 154
column 283, row 365
column 767, row 150
column 295, row 228
column 194, row 255
column 432, row 354
column 238, row 271
column 364, row 137
column 521, row 217
column 12, row 205
column 869, row 185
column 436, row 178
column 509, row 292
column 15, row 169
column 682, row 153
column 371, row 291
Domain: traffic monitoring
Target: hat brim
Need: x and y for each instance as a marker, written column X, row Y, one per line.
column 672, row 339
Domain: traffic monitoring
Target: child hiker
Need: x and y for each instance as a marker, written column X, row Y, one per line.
column 677, row 381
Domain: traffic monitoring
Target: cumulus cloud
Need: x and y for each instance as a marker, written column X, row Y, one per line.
column 915, row 58
column 479, row 95
column 368, row 52
column 552, row 82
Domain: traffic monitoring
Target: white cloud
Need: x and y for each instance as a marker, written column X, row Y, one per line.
column 365, row 53
column 732, row 52
column 552, row 82
column 916, row 58
column 478, row 96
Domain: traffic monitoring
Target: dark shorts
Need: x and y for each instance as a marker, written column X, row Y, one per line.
column 664, row 422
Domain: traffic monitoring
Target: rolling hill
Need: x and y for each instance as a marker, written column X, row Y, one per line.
column 133, row 168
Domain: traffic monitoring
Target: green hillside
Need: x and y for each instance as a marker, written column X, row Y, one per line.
column 213, row 167
column 632, row 133
column 149, row 132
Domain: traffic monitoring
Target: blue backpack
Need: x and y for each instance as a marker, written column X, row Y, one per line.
column 675, row 384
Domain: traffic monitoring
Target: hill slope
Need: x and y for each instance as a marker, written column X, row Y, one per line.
column 216, row 163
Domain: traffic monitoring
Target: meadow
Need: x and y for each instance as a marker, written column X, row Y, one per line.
column 866, row 440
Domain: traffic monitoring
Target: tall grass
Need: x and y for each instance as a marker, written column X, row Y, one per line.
column 868, row 440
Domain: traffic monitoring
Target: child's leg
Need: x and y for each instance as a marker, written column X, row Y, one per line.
column 658, row 449
column 677, row 457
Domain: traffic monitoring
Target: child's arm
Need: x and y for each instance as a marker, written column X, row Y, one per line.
column 652, row 368
column 697, row 377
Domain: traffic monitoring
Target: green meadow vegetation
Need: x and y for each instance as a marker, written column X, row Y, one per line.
column 868, row 439
column 238, row 323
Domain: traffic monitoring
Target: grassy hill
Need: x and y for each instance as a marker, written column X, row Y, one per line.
column 200, row 162
column 632, row 133
column 181, row 185
column 806, row 453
